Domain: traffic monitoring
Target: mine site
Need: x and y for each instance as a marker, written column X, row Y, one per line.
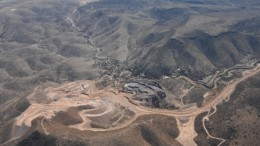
column 89, row 106
column 129, row 73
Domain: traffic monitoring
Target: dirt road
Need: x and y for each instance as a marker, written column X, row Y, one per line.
column 108, row 98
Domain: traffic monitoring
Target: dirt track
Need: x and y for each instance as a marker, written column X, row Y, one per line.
column 82, row 93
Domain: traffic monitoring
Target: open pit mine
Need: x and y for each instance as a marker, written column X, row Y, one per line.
column 86, row 106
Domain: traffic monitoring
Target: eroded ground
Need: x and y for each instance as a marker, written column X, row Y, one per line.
column 87, row 107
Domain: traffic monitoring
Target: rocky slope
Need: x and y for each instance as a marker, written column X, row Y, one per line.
column 52, row 42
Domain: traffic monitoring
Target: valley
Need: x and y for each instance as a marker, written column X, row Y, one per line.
column 128, row 72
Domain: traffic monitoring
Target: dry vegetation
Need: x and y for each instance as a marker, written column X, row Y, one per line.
column 185, row 45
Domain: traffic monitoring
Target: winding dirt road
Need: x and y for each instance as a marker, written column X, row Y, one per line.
column 107, row 99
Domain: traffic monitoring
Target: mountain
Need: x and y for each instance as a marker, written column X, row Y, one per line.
column 157, row 72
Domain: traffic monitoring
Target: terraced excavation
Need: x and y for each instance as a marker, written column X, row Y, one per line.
column 114, row 108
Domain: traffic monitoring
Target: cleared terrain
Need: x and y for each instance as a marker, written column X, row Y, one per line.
column 108, row 109
column 127, row 72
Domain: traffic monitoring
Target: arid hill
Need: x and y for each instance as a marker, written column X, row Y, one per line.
column 171, row 56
